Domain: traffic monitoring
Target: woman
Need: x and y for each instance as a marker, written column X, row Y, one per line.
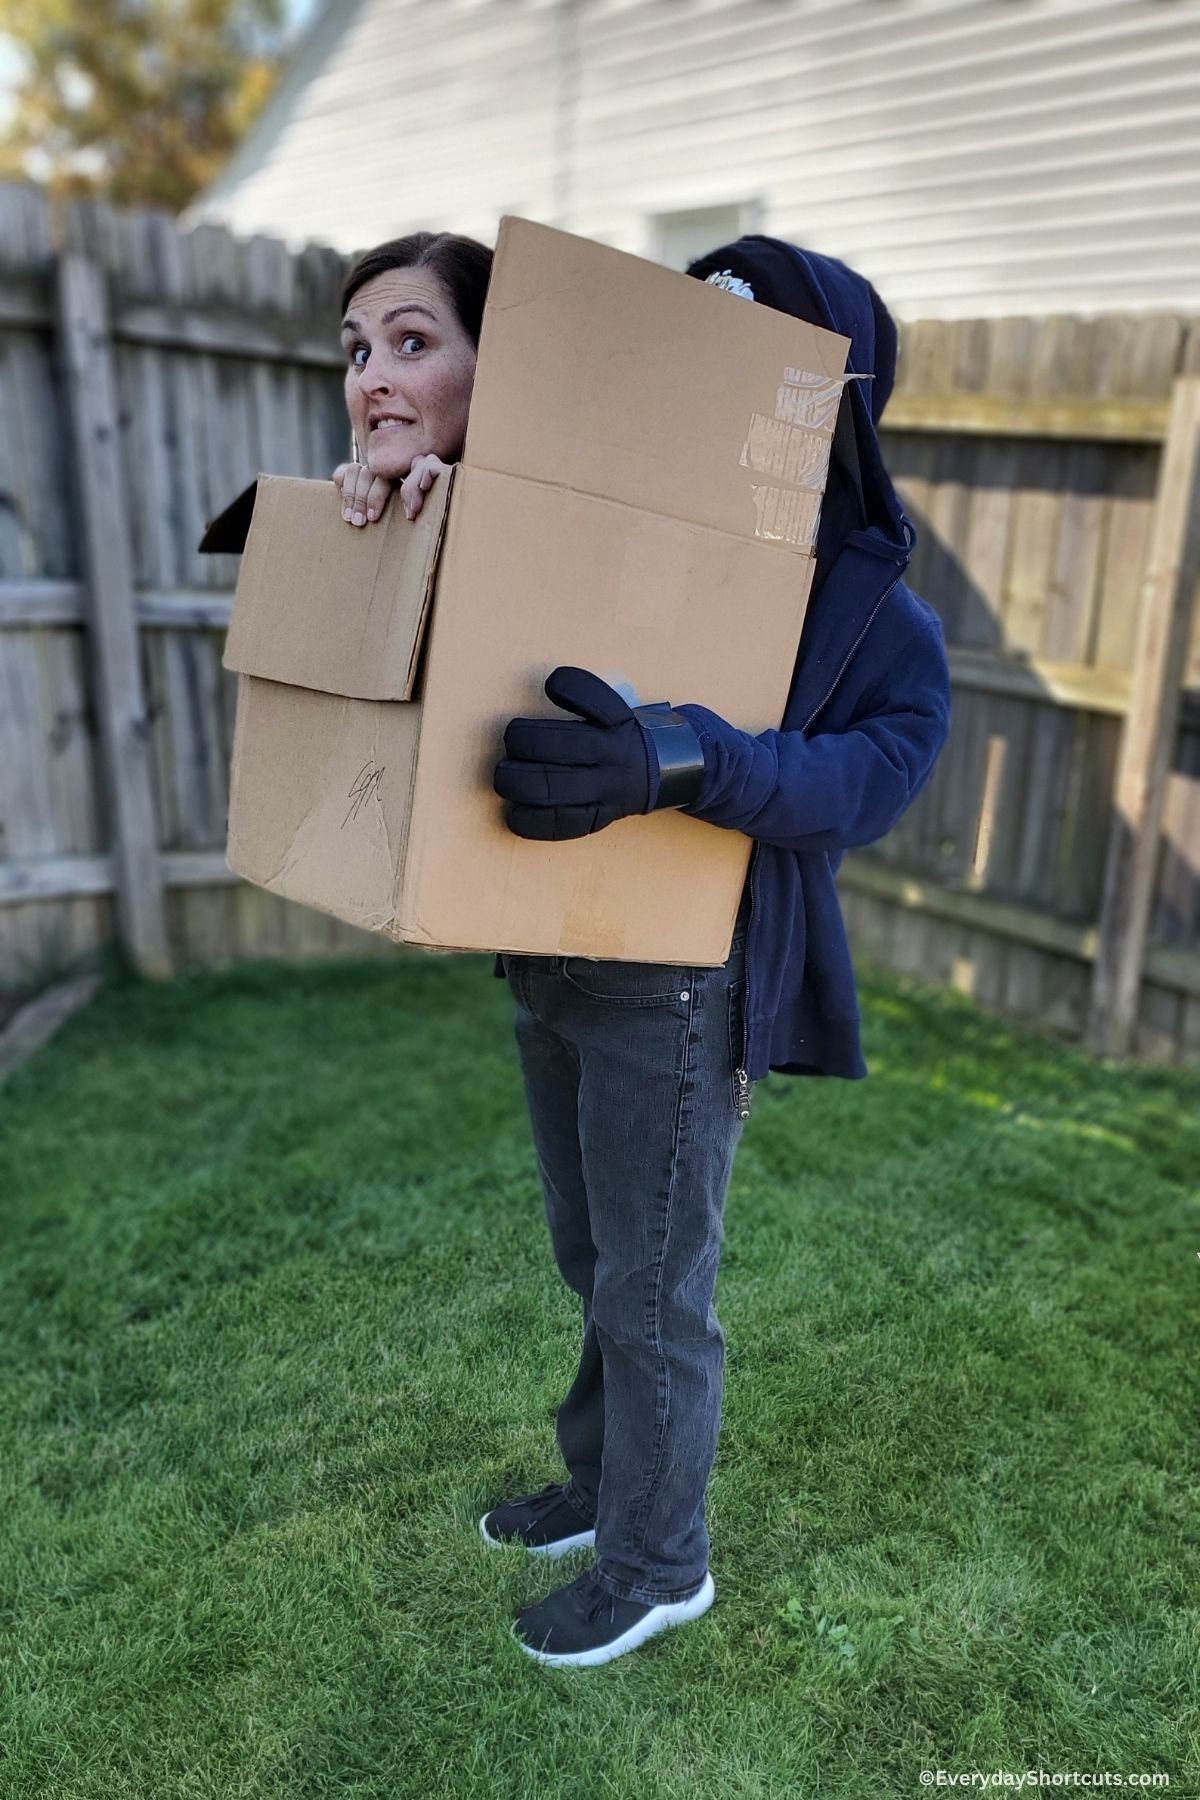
column 408, row 408
column 638, row 1076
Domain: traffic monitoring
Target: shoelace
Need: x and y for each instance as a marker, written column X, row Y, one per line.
column 594, row 1598
column 545, row 1497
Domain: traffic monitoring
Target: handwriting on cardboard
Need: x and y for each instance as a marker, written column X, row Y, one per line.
column 365, row 783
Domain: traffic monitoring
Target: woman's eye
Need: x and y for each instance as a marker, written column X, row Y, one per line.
column 363, row 350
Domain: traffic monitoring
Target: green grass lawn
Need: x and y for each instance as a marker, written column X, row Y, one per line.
column 280, row 1321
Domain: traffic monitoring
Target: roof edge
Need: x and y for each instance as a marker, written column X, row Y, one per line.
column 328, row 24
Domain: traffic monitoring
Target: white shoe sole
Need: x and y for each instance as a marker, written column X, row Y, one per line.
column 585, row 1540
column 661, row 1618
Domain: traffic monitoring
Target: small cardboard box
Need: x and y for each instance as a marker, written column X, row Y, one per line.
column 638, row 495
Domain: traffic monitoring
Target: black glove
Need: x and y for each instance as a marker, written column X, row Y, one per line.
column 564, row 778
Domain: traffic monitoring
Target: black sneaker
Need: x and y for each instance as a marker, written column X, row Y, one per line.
column 582, row 1625
column 545, row 1523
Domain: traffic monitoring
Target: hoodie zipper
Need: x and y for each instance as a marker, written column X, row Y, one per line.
column 741, row 1076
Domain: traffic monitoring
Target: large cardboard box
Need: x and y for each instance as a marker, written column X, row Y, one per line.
column 638, row 495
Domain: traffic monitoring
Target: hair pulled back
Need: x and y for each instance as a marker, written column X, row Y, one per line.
column 461, row 264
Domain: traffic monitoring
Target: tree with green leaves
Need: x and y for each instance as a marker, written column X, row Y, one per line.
column 136, row 101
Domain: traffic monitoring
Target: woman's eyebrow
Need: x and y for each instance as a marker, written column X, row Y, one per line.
column 409, row 306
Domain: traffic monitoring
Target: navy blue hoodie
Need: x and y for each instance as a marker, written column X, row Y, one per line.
column 869, row 706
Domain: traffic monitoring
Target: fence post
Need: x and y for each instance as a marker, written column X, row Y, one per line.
column 1151, row 723
column 113, row 648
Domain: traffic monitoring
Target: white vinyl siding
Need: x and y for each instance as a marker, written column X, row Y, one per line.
column 971, row 156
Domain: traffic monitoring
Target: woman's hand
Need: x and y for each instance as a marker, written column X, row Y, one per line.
column 364, row 495
column 418, row 481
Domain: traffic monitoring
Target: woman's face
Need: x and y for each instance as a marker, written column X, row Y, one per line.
column 411, row 368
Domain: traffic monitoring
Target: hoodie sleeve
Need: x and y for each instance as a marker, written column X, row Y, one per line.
column 835, row 790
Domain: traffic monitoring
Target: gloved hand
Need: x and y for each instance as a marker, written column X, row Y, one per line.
column 564, row 778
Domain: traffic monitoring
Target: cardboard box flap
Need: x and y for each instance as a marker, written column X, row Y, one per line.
column 676, row 397
column 227, row 533
column 343, row 609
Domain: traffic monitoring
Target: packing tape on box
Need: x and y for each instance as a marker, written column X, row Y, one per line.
column 806, row 398
column 786, row 515
column 794, row 448
column 792, row 453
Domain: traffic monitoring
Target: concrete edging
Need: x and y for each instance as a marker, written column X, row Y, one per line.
column 36, row 1022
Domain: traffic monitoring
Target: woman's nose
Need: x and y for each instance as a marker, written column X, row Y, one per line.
column 372, row 377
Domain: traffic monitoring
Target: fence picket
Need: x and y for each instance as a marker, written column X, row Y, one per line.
column 1173, row 570
column 113, row 638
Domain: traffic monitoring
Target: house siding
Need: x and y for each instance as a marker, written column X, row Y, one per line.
column 972, row 157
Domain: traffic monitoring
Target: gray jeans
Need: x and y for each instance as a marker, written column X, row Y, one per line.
column 630, row 1075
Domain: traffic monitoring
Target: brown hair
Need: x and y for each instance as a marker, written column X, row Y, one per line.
column 461, row 264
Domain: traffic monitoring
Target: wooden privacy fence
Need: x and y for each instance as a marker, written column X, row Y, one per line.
column 1052, row 864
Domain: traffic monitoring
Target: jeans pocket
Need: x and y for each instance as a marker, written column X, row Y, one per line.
column 629, row 983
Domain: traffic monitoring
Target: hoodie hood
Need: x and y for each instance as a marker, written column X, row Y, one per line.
column 823, row 291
